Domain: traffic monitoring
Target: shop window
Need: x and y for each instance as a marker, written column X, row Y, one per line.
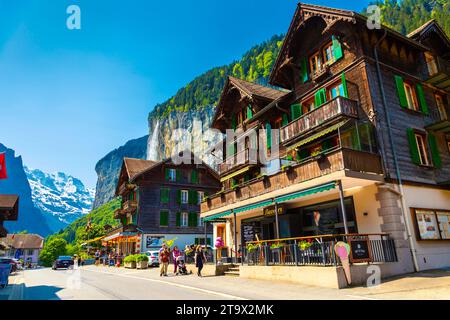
column 184, row 196
column 432, row 224
column 441, row 106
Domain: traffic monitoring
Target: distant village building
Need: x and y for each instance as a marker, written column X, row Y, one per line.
column 161, row 201
column 9, row 211
column 23, row 246
column 364, row 141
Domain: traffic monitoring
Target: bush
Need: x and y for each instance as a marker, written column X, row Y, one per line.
column 141, row 257
column 130, row 258
column 52, row 250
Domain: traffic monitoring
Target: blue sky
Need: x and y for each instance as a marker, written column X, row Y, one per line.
column 68, row 97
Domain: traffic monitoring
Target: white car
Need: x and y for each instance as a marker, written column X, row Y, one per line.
column 153, row 258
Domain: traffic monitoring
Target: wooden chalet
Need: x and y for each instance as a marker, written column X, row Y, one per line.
column 361, row 124
column 9, row 211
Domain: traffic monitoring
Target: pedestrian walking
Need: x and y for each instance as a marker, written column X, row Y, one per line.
column 200, row 260
column 175, row 254
column 164, row 258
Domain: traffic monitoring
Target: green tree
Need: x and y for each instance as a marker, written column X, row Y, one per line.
column 52, row 250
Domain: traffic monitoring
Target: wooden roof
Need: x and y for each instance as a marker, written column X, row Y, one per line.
column 430, row 26
column 9, row 206
column 24, row 241
column 135, row 166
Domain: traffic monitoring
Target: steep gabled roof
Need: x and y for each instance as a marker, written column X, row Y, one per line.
column 9, row 206
column 135, row 166
column 428, row 26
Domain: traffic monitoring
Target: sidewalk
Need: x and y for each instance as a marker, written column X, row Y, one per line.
column 15, row 288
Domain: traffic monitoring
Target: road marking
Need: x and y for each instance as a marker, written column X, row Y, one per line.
column 360, row 297
column 225, row 295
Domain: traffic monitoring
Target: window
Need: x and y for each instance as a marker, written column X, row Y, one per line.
column 422, row 148
column 184, row 219
column 432, row 224
column 411, row 97
column 201, row 195
column 194, row 176
column 200, row 220
column 441, row 106
column 164, row 195
column 448, row 145
column 328, row 54
column 308, row 105
column 184, row 196
column 315, row 63
column 431, row 64
column 164, row 218
column 337, row 90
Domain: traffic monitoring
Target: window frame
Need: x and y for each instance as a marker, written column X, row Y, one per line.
column 316, row 57
column 328, row 45
column 184, row 223
column 174, row 178
column 441, row 106
column 430, row 60
column 411, row 98
column 184, row 192
column 200, row 196
column 424, row 149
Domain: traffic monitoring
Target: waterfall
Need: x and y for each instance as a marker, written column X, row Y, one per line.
column 152, row 149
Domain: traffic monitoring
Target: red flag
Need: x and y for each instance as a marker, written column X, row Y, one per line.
column 3, row 174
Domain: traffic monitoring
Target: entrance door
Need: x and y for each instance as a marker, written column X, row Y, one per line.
column 268, row 231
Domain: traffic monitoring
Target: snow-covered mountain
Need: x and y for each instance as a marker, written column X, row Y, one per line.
column 61, row 198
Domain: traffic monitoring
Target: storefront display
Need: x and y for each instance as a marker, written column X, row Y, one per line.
column 432, row 224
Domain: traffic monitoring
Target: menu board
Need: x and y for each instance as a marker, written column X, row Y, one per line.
column 248, row 232
column 360, row 250
column 428, row 227
column 444, row 224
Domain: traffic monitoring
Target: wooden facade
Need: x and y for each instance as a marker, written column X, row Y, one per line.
column 152, row 195
column 9, row 211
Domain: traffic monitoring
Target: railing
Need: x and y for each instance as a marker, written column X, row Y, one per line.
column 316, row 251
column 336, row 107
column 129, row 205
column 243, row 157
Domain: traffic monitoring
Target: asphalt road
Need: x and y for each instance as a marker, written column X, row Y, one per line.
column 102, row 283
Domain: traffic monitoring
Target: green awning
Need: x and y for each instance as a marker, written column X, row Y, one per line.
column 254, row 206
column 317, row 135
column 307, row 192
column 216, row 216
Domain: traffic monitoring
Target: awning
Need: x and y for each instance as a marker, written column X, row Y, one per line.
column 234, row 174
column 217, row 216
column 317, row 135
column 119, row 235
column 93, row 240
column 307, row 192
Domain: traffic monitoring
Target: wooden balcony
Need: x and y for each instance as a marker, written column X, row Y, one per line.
column 439, row 73
column 323, row 115
column 337, row 160
column 129, row 206
column 241, row 159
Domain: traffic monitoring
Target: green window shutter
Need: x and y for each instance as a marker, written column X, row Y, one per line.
column 344, row 85
column 208, row 241
column 163, row 195
column 296, row 111
column 249, row 112
column 167, row 173
column 179, row 196
column 178, row 222
column 269, row 135
column 285, row 120
column 164, row 218
column 320, row 97
column 194, row 176
column 401, row 91
column 193, row 197
column 434, row 151
column 337, row 48
column 413, row 146
column 422, row 100
column 192, row 219
column 304, row 77
column 178, row 175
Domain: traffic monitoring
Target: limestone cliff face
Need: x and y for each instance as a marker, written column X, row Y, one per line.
column 108, row 168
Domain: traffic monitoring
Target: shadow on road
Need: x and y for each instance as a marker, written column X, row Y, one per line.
column 41, row 293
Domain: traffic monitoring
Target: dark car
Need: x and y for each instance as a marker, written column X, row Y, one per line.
column 10, row 261
column 63, row 262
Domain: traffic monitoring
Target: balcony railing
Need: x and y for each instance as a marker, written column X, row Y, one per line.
column 316, row 251
column 242, row 158
column 339, row 106
column 129, row 205
column 331, row 161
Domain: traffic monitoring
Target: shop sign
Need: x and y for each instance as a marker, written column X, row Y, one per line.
column 270, row 211
column 360, row 250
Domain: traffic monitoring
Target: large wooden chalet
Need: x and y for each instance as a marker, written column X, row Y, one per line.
column 364, row 147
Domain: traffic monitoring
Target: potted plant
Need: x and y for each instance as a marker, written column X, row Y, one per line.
column 141, row 261
column 305, row 245
column 130, row 262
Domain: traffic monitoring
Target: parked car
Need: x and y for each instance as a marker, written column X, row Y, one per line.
column 63, row 262
column 13, row 262
column 153, row 258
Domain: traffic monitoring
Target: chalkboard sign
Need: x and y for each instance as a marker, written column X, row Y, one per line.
column 360, row 250
column 248, row 232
